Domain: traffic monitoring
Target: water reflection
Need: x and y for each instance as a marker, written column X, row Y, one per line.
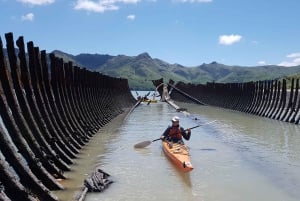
column 238, row 157
column 175, row 172
column 269, row 147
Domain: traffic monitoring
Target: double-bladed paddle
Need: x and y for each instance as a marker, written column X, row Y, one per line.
column 145, row 143
column 148, row 142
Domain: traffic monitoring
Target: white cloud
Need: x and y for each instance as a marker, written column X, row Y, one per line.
column 229, row 39
column 131, row 17
column 28, row 17
column 193, row 1
column 294, row 62
column 37, row 2
column 293, row 55
column 101, row 6
column 262, row 63
column 93, row 6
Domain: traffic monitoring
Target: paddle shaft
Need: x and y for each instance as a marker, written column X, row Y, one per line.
column 189, row 128
column 156, row 139
column 204, row 124
column 146, row 143
column 193, row 127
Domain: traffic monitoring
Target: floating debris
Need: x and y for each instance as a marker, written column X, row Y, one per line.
column 98, row 181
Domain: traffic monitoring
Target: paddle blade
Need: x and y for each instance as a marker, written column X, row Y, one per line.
column 142, row 144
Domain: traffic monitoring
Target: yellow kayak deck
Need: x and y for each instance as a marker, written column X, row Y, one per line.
column 151, row 101
column 179, row 154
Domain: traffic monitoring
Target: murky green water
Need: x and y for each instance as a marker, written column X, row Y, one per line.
column 238, row 157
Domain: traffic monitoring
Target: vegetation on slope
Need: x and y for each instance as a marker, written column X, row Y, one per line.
column 141, row 69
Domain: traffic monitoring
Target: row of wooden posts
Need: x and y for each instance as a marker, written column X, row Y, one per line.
column 269, row 98
column 49, row 110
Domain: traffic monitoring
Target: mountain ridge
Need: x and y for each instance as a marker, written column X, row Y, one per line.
column 141, row 69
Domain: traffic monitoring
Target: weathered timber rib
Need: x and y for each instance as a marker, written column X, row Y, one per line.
column 86, row 130
column 101, row 92
column 24, row 140
column 57, row 143
column 92, row 106
column 37, row 139
column 57, row 118
column 78, row 134
column 97, row 101
column 296, row 104
column 102, row 88
column 27, row 177
column 254, row 98
column 65, row 104
column 3, row 196
column 69, row 85
column 82, row 89
column 290, row 106
column 14, row 190
column 85, row 117
column 85, row 121
column 297, row 119
column 34, row 66
column 96, row 113
column 275, row 108
column 44, row 120
column 282, row 101
column 26, row 143
column 249, row 95
column 258, row 98
column 265, row 98
column 269, row 98
column 60, row 104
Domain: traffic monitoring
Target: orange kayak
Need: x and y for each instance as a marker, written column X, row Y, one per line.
column 179, row 154
column 151, row 101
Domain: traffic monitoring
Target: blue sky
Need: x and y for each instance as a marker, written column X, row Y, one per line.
column 186, row 32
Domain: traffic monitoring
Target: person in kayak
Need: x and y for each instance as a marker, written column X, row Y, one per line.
column 175, row 133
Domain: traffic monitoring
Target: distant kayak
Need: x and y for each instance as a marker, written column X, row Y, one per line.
column 151, row 101
column 179, row 154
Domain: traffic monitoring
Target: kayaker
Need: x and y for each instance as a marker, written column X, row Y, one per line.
column 175, row 133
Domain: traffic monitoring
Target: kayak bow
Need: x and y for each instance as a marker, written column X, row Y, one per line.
column 179, row 155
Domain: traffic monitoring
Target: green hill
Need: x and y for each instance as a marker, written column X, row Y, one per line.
column 141, row 69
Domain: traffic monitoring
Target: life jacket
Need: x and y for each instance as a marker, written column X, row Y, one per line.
column 175, row 133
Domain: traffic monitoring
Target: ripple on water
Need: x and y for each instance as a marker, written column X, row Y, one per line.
column 238, row 157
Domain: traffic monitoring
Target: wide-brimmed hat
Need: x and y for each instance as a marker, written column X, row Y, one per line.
column 175, row 119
